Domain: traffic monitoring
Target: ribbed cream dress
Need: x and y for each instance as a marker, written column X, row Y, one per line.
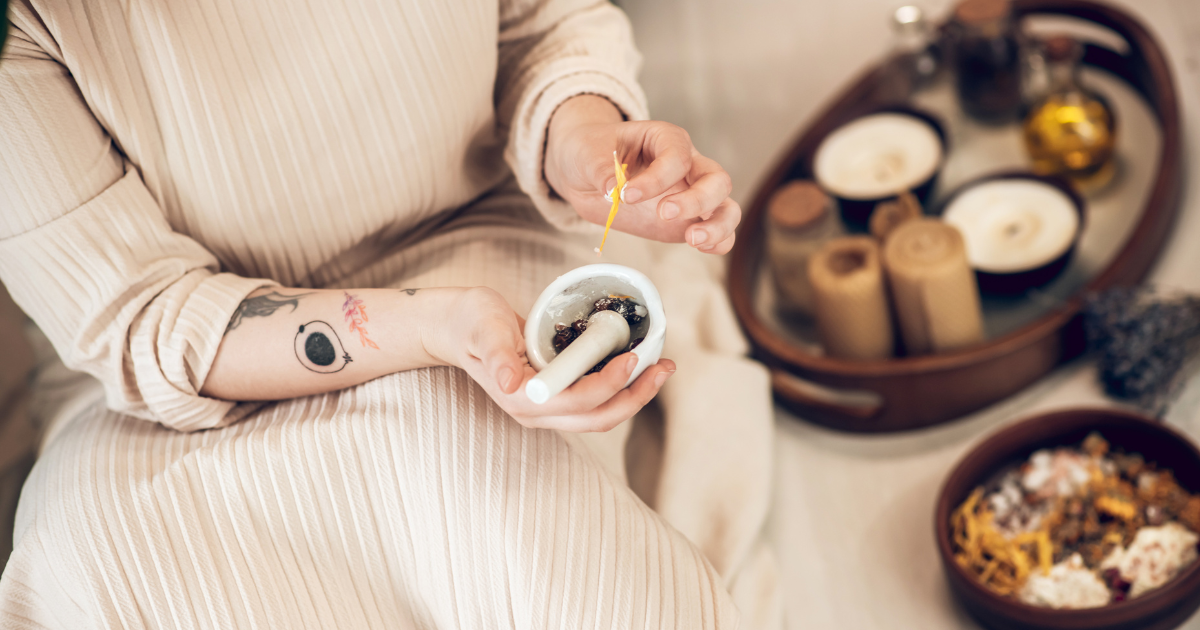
column 160, row 159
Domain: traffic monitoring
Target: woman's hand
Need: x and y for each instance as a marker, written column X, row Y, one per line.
column 482, row 335
column 674, row 194
column 283, row 343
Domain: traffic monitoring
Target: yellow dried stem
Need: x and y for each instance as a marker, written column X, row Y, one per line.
column 616, row 199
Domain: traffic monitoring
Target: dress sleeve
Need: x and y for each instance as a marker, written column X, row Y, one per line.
column 550, row 51
column 87, row 252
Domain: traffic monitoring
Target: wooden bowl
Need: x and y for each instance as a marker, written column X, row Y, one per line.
column 1160, row 609
column 911, row 392
column 1018, row 282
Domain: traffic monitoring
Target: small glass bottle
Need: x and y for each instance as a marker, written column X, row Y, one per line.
column 800, row 218
column 917, row 53
column 1071, row 130
column 987, row 60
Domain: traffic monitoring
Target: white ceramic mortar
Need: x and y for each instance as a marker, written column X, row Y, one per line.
column 573, row 295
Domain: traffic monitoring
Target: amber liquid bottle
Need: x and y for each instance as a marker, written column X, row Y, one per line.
column 1070, row 131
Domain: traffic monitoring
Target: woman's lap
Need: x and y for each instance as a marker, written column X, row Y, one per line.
column 409, row 500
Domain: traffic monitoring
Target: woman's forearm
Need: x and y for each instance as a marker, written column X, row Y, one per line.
column 283, row 343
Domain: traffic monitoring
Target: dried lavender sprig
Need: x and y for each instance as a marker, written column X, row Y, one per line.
column 1143, row 342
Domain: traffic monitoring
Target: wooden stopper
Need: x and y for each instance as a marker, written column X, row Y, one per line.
column 851, row 300
column 977, row 12
column 800, row 217
column 891, row 213
column 798, row 204
column 933, row 287
column 1062, row 48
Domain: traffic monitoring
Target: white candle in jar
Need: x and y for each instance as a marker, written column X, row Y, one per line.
column 1014, row 225
column 878, row 156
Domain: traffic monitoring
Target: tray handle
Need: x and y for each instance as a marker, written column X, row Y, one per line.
column 861, row 404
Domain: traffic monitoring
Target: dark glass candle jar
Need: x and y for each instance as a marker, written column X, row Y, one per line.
column 987, row 60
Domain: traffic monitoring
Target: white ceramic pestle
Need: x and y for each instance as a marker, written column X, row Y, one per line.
column 573, row 296
column 606, row 332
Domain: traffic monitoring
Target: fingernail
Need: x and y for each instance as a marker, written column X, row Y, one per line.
column 669, row 211
column 662, row 378
column 630, row 195
column 505, row 377
column 630, row 363
column 608, row 195
column 698, row 237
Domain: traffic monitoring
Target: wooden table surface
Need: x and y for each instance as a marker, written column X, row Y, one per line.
column 852, row 520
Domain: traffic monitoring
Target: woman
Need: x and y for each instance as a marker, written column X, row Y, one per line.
column 190, row 186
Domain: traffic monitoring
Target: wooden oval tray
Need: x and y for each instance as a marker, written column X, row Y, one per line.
column 1027, row 337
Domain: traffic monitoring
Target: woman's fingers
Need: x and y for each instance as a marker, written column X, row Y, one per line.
column 710, row 185
column 628, row 401
column 710, row 234
column 618, row 408
column 721, row 248
column 588, row 392
column 498, row 347
column 669, row 150
column 597, row 402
